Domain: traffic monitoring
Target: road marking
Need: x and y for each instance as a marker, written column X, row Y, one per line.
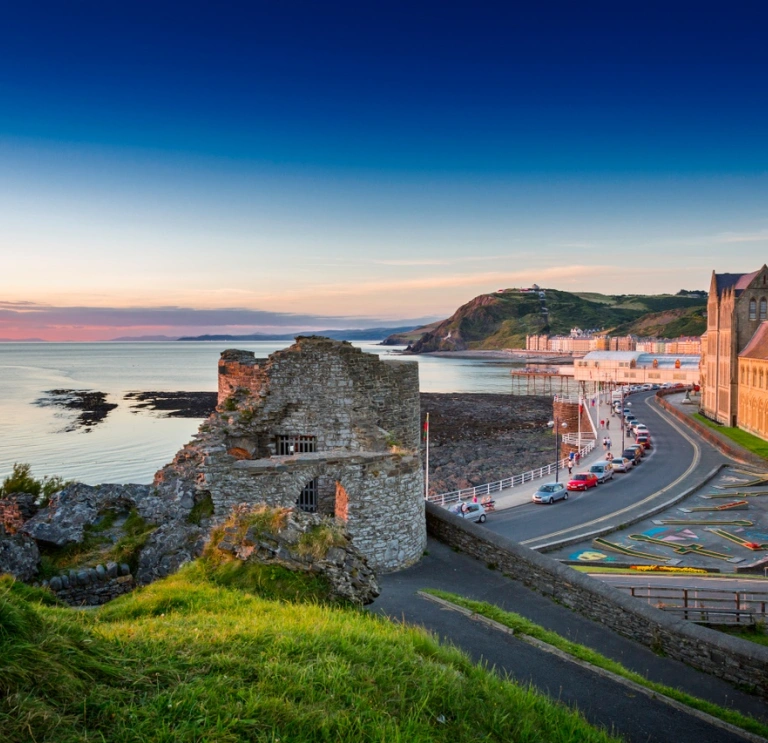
column 620, row 512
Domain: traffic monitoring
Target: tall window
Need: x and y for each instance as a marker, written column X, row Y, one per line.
column 307, row 500
column 763, row 309
column 752, row 310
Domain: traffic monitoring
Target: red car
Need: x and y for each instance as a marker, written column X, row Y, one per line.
column 582, row 481
column 644, row 439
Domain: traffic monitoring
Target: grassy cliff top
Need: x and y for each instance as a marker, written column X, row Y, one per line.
column 190, row 659
column 504, row 319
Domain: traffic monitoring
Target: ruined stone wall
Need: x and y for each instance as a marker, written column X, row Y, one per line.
column 379, row 495
column 328, row 389
column 239, row 370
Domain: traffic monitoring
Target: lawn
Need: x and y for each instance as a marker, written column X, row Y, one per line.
column 742, row 438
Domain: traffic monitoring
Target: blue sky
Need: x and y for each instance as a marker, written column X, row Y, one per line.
column 369, row 162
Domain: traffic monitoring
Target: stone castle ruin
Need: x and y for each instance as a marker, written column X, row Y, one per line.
column 323, row 427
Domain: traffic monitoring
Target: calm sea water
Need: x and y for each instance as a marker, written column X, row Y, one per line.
column 129, row 446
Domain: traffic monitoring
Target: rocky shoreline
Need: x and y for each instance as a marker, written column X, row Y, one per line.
column 480, row 438
column 93, row 406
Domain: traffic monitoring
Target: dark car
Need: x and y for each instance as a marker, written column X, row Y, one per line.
column 638, row 447
column 633, row 455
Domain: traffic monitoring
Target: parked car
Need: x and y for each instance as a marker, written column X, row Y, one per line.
column 637, row 447
column 603, row 471
column 475, row 511
column 622, row 464
column 634, row 455
column 637, row 427
column 582, row 481
column 644, row 439
column 550, row 492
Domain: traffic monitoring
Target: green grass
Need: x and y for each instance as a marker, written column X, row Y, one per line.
column 188, row 660
column 742, row 438
column 524, row 626
column 756, row 633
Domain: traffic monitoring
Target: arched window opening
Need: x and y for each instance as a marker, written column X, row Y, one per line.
column 763, row 309
column 752, row 309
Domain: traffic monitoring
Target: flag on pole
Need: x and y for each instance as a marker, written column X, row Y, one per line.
column 425, row 430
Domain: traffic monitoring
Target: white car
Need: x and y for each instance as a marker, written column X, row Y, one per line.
column 474, row 511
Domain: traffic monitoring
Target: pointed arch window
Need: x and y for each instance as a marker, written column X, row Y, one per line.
column 752, row 309
column 763, row 309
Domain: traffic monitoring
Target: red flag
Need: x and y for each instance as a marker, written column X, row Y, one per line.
column 425, row 430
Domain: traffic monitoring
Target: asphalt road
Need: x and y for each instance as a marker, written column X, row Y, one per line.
column 633, row 716
column 677, row 461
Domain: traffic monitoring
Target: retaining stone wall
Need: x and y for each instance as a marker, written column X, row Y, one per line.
column 92, row 586
column 737, row 661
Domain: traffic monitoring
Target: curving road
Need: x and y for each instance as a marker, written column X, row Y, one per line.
column 678, row 461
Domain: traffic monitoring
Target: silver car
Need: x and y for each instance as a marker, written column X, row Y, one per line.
column 473, row 511
column 622, row 464
column 602, row 470
column 550, row 492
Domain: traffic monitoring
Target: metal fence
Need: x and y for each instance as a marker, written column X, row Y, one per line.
column 515, row 481
column 704, row 605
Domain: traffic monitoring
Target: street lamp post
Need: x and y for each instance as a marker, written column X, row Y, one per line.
column 556, row 425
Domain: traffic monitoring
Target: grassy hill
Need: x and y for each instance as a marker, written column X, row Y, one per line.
column 194, row 658
column 502, row 320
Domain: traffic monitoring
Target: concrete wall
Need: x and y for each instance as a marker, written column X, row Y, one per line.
column 736, row 661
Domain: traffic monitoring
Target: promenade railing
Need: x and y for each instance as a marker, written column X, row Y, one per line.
column 515, row 481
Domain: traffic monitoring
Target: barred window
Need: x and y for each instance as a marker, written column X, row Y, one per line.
column 287, row 445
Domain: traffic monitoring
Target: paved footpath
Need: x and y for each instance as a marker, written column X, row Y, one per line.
column 604, row 702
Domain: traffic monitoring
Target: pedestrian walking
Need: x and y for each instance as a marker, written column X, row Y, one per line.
column 570, row 467
column 602, row 423
column 607, row 442
column 607, row 423
column 578, row 458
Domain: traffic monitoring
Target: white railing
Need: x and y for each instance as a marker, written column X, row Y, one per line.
column 574, row 439
column 508, row 482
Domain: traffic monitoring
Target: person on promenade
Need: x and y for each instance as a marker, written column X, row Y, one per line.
column 607, row 424
column 474, row 498
column 607, row 442
column 570, row 467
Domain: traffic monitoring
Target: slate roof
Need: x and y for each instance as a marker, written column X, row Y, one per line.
column 736, row 281
column 757, row 348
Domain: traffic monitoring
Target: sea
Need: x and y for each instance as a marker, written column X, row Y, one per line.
column 129, row 445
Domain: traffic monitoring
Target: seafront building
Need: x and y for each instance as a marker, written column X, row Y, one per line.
column 579, row 344
column 635, row 367
column 735, row 354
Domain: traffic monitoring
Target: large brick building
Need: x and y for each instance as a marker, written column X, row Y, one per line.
column 738, row 303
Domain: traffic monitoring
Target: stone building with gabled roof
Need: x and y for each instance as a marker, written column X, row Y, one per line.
column 753, row 384
column 737, row 305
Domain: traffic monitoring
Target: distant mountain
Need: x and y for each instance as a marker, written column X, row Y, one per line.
column 22, row 340
column 503, row 319
column 366, row 334
column 125, row 338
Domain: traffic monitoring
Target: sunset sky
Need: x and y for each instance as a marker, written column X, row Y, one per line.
column 238, row 167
